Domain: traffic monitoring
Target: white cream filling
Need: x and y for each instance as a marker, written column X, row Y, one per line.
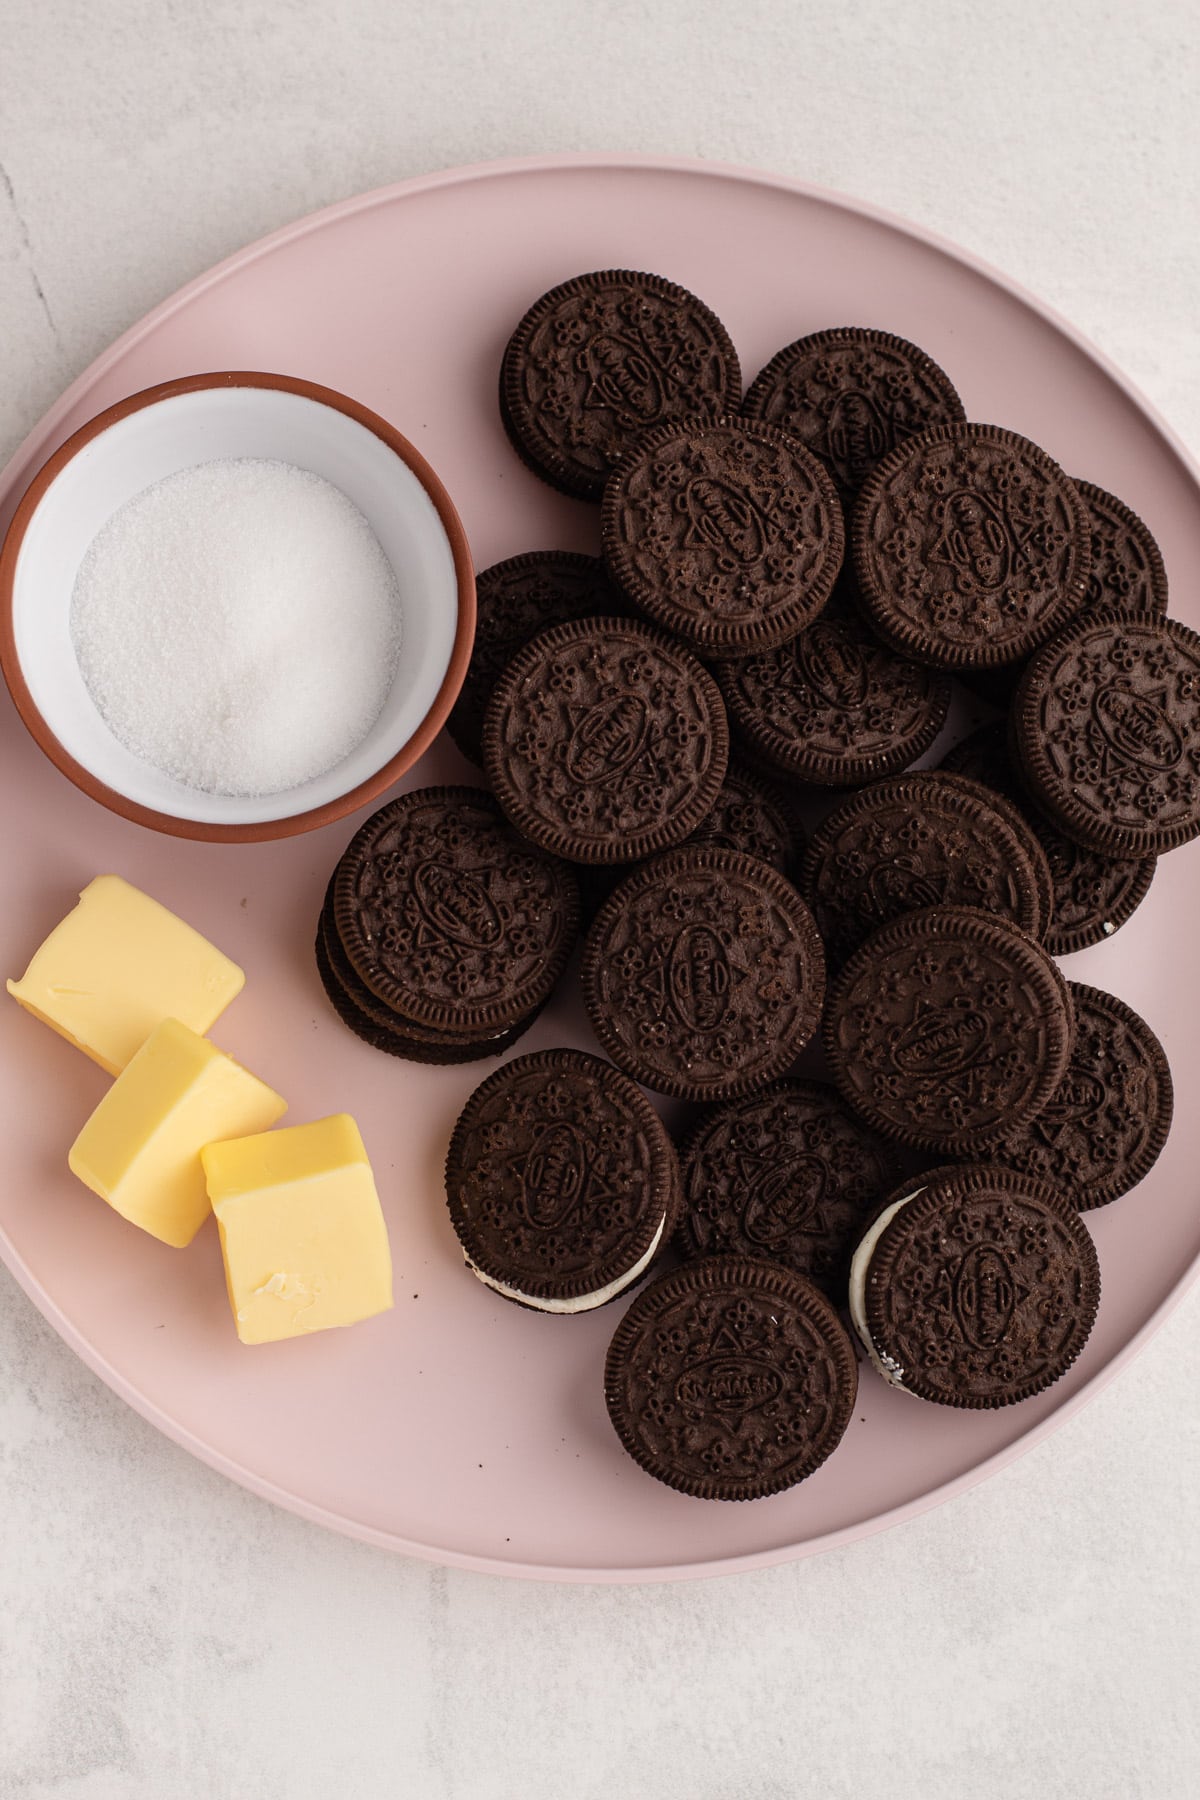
column 888, row 1367
column 578, row 1302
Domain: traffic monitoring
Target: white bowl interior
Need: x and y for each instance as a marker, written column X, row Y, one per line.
column 204, row 425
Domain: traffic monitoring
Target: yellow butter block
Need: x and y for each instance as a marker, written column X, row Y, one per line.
column 117, row 966
column 302, row 1232
column 140, row 1150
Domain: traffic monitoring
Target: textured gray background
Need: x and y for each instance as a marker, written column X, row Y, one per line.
column 163, row 1634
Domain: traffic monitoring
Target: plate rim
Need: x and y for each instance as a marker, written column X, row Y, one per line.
column 12, row 487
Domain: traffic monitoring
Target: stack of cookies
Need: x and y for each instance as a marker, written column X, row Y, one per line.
column 443, row 932
column 788, row 587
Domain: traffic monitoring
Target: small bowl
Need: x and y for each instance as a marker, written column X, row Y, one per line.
column 198, row 419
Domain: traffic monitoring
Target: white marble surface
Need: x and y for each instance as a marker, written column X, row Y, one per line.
column 163, row 1634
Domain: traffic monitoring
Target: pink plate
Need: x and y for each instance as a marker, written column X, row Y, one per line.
column 459, row 1427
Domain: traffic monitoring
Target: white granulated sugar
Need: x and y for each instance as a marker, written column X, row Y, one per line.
column 238, row 625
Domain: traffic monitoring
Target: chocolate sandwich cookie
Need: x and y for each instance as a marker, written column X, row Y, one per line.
column 1106, row 727
column 363, row 1013
column 948, row 1030
column 753, row 816
column 375, row 1030
column 789, row 1174
column 975, row 1287
column 1108, row 1119
column 1091, row 895
column 515, row 600
column 1127, row 565
column 562, row 1182
column 909, row 842
column 728, row 535
column 834, row 706
column 971, row 547
column 451, row 918
column 703, row 974
column 605, row 741
column 602, row 359
column 730, row 1379
column 851, row 395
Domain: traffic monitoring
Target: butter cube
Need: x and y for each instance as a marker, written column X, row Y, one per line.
column 302, row 1232
column 116, row 967
column 140, row 1150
